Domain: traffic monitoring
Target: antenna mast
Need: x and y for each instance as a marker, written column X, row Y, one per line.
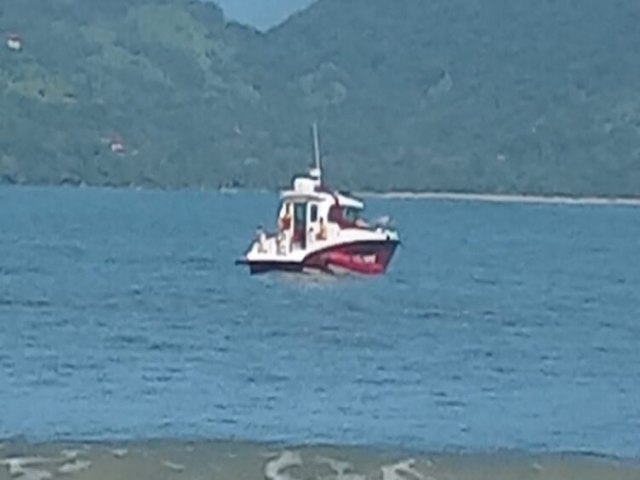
column 316, row 151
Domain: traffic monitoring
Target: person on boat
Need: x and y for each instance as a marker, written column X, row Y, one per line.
column 281, row 243
column 283, row 237
column 284, row 222
column 262, row 239
column 335, row 215
column 322, row 230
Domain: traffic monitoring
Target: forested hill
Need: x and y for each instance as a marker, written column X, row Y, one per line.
column 456, row 95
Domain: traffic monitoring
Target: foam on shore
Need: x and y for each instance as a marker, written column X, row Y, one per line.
column 246, row 461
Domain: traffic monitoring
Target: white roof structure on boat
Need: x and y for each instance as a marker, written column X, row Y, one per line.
column 350, row 202
column 309, row 188
column 306, row 189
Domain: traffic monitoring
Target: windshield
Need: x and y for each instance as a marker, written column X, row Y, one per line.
column 350, row 214
column 345, row 216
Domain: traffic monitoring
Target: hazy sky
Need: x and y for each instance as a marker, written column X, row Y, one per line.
column 261, row 13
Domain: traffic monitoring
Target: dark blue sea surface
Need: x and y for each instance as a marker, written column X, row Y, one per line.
column 498, row 325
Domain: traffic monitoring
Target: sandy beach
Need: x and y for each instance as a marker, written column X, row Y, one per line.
column 238, row 461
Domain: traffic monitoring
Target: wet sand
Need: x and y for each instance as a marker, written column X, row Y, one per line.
column 239, row 461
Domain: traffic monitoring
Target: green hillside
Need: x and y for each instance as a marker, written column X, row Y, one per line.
column 491, row 96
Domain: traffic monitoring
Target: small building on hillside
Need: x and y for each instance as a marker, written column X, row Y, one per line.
column 14, row 42
column 117, row 145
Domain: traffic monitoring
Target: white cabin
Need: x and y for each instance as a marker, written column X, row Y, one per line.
column 309, row 215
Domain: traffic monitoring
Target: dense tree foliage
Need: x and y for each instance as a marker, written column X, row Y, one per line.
column 457, row 95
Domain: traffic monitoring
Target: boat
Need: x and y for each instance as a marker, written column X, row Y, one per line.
column 321, row 230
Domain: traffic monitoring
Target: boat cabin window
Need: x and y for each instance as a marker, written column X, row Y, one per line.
column 351, row 214
column 300, row 224
column 299, row 214
column 344, row 216
column 313, row 215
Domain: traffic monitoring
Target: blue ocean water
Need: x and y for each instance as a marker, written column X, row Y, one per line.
column 122, row 315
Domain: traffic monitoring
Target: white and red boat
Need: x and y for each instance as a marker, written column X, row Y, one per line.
column 320, row 230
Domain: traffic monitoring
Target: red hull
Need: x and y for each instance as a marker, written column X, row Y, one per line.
column 366, row 258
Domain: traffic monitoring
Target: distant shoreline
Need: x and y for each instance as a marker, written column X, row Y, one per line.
column 505, row 198
column 393, row 195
